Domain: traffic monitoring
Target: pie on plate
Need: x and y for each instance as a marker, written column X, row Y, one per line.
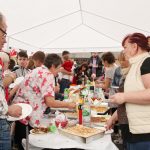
column 99, row 109
column 39, row 130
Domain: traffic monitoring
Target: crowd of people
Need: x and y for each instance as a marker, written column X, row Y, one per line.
column 46, row 76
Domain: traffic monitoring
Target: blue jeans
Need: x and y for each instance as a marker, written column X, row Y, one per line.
column 5, row 138
column 64, row 83
column 139, row 146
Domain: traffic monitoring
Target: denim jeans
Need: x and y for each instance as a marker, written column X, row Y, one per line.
column 64, row 83
column 5, row 138
column 139, row 146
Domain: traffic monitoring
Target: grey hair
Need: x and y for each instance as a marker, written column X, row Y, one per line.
column 1, row 18
column 4, row 57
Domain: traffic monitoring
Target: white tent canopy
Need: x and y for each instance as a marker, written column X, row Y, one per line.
column 75, row 25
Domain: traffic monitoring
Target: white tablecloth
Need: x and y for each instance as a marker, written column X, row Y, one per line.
column 57, row 141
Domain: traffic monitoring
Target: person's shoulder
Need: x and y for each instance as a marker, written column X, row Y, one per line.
column 118, row 68
column 146, row 61
column 145, row 69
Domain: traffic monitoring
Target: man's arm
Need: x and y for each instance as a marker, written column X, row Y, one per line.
column 51, row 102
column 8, row 79
column 62, row 70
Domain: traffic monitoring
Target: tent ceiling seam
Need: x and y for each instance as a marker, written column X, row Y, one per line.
column 47, row 22
column 61, row 35
column 101, row 33
column 81, row 13
column 48, row 48
column 115, row 21
column 9, row 37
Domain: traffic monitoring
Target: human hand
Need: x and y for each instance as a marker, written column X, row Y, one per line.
column 98, row 85
column 109, row 124
column 90, row 65
column 60, row 69
column 57, row 88
column 93, row 76
column 16, row 87
column 117, row 98
column 14, row 110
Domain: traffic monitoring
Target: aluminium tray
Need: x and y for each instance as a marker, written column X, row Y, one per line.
column 81, row 138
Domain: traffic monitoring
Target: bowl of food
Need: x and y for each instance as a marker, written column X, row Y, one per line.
column 61, row 120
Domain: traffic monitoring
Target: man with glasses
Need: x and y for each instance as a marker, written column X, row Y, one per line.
column 4, row 33
column 13, row 110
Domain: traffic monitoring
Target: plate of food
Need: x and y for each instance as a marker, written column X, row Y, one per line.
column 101, row 110
column 99, row 120
column 71, row 115
column 39, row 130
column 26, row 111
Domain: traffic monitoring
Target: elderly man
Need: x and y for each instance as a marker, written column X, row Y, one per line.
column 13, row 110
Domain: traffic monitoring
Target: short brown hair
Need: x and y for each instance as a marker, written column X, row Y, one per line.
column 22, row 54
column 65, row 53
column 39, row 55
column 109, row 57
column 52, row 59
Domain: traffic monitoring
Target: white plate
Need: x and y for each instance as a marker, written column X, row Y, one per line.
column 63, row 109
column 115, row 87
column 19, row 80
column 26, row 111
column 104, row 129
column 16, row 82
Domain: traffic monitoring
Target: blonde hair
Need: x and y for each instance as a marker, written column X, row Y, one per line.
column 121, row 56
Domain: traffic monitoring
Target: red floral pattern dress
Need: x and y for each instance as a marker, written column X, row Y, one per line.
column 36, row 86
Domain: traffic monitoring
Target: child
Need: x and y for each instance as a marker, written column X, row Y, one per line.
column 22, row 59
column 66, row 71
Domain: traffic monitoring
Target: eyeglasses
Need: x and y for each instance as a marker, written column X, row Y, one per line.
column 4, row 32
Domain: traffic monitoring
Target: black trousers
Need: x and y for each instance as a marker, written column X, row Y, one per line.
column 20, row 133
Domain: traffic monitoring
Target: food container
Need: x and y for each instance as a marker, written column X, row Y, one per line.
column 80, row 136
column 60, row 119
column 62, row 124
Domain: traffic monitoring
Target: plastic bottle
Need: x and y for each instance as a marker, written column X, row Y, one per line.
column 80, row 114
column 86, row 113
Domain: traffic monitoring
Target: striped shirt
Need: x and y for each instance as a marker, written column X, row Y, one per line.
column 3, row 103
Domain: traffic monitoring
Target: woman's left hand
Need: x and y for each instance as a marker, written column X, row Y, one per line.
column 117, row 98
